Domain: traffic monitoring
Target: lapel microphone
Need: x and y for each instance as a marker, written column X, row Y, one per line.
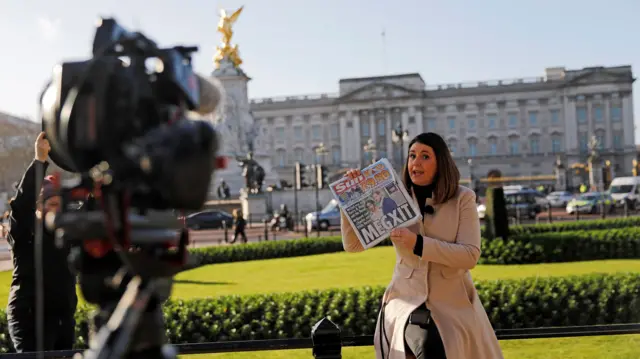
column 428, row 209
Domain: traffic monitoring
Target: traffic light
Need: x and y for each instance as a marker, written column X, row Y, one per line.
column 321, row 176
column 300, row 176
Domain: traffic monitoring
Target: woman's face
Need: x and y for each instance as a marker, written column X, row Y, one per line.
column 371, row 207
column 422, row 164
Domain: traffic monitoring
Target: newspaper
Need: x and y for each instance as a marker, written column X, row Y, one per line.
column 375, row 203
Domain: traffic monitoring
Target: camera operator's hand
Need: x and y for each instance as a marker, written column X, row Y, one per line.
column 42, row 148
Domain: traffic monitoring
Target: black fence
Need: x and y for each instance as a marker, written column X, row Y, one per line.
column 327, row 342
column 549, row 214
column 258, row 219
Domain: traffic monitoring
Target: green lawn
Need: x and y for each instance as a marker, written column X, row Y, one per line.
column 612, row 347
column 373, row 267
column 337, row 270
column 341, row 270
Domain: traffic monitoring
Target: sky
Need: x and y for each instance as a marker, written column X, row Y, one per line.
column 297, row 47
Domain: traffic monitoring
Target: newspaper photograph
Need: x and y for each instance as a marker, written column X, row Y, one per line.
column 375, row 203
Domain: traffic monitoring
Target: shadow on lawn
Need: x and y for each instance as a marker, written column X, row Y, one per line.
column 187, row 281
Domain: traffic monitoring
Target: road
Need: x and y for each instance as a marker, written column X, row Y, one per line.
column 203, row 238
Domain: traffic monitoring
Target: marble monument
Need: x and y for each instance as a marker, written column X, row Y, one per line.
column 233, row 120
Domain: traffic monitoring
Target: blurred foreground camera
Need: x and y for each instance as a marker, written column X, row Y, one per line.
column 127, row 107
column 121, row 120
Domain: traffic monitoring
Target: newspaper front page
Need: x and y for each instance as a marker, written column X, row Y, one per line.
column 375, row 203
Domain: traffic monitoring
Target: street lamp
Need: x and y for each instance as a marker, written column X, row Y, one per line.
column 470, row 163
column 269, row 200
column 370, row 147
column 399, row 136
column 321, row 150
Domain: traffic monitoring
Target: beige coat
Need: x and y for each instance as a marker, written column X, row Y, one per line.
column 441, row 278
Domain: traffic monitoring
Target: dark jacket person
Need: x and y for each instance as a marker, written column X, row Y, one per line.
column 59, row 293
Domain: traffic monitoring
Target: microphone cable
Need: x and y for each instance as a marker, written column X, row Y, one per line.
column 383, row 331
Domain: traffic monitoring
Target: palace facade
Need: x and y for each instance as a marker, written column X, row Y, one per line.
column 519, row 127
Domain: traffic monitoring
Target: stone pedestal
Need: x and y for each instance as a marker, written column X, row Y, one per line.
column 232, row 174
column 561, row 179
column 255, row 205
column 595, row 176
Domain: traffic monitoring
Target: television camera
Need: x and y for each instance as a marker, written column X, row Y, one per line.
column 124, row 127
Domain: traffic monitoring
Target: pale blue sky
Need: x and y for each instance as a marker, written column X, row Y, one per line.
column 303, row 47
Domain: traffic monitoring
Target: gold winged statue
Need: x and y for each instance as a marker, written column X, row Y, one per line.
column 225, row 27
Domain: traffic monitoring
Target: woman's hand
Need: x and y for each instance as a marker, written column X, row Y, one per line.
column 353, row 173
column 404, row 238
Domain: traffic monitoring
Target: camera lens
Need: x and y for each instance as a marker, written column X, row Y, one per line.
column 49, row 108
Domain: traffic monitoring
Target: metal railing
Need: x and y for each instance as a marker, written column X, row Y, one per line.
column 327, row 342
column 267, row 233
column 549, row 214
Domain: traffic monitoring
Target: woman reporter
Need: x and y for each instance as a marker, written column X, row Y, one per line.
column 431, row 308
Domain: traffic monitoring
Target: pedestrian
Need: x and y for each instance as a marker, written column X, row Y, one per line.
column 4, row 225
column 431, row 308
column 59, row 284
column 240, row 224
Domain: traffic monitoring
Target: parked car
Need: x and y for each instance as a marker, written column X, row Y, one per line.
column 524, row 203
column 329, row 216
column 559, row 198
column 210, row 219
column 590, row 203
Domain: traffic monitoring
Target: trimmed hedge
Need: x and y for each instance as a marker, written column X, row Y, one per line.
column 540, row 247
column 523, row 303
column 266, row 250
column 621, row 243
column 575, row 226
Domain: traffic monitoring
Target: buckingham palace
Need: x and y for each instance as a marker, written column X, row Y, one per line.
column 519, row 127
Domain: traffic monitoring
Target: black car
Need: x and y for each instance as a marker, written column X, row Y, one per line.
column 524, row 203
column 211, row 219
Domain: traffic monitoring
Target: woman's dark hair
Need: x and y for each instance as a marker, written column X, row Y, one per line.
column 447, row 176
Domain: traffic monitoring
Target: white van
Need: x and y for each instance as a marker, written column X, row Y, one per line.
column 625, row 188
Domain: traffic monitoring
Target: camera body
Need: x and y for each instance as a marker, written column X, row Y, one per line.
column 115, row 109
column 124, row 126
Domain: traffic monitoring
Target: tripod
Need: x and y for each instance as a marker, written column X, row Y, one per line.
column 134, row 328
column 128, row 278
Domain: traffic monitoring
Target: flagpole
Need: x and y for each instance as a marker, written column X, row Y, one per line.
column 384, row 51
